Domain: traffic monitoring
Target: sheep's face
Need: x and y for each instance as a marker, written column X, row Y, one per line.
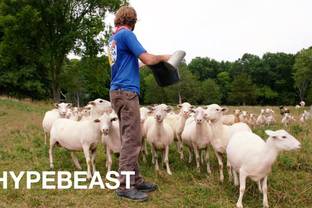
column 283, row 140
column 160, row 112
column 302, row 103
column 245, row 114
column 199, row 115
column 237, row 112
column 101, row 106
column 215, row 112
column 185, row 109
column 106, row 121
column 63, row 108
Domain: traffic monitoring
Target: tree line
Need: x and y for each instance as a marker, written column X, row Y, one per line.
column 36, row 37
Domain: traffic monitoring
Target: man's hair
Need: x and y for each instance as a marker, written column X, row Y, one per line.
column 125, row 15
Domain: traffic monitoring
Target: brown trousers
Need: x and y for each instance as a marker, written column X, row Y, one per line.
column 127, row 107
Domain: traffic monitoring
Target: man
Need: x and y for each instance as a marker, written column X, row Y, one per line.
column 124, row 52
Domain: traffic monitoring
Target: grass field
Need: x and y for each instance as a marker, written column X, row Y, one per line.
column 22, row 148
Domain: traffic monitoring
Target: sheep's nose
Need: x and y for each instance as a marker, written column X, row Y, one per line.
column 105, row 131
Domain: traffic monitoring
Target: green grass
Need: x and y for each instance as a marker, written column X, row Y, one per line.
column 22, row 148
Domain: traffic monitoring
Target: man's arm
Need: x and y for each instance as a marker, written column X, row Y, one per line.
column 150, row 59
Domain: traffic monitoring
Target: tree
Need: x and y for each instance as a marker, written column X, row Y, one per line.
column 204, row 68
column 303, row 71
column 56, row 28
column 210, row 92
column 242, row 91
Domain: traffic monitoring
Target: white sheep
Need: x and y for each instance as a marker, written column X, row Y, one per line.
column 244, row 116
column 287, row 119
column 110, row 136
column 269, row 117
column 221, row 134
column 196, row 135
column 252, row 157
column 85, row 112
column 229, row 119
column 99, row 106
column 160, row 135
column 302, row 104
column 261, row 118
column 177, row 122
column 73, row 114
column 52, row 115
column 305, row 116
column 77, row 136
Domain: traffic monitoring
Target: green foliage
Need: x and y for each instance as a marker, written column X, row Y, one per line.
column 243, row 91
column 210, row 92
column 303, row 71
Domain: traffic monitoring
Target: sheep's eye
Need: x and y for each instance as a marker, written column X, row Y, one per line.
column 284, row 137
column 101, row 101
column 217, row 109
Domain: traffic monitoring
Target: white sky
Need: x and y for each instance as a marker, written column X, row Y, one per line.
column 223, row 29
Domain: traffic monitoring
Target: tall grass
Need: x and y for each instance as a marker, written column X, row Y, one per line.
column 22, row 148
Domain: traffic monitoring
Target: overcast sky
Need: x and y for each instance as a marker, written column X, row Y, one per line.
column 223, row 29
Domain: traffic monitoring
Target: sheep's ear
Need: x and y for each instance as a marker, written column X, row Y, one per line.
column 114, row 119
column 97, row 120
column 192, row 107
column 91, row 103
column 168, row 109
column 224, row 110
column 270, row 133
column 179, row 106
column 205, row 107
column 56, row 105
column 69, row 105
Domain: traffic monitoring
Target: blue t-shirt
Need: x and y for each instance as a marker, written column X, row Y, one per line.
column 124, row 50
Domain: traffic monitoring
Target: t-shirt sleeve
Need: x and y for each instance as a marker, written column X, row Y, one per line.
column 133, row 44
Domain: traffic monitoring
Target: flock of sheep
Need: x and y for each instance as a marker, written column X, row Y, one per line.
column 197, row 128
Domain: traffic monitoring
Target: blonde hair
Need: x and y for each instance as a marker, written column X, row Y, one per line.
column 126, row 15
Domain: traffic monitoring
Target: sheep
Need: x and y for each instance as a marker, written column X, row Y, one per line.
column 221, row 134
column 287, row 119
column 160, row 135
column 73, row 114
column 302, row 104
column 99, row 106
column 261, row 118
column 228, row 119
column 77, row 136
column 252, row 157
column 283, row 110
column 85, row 112
column 177, row 122
column 269, row 117
column 110, row 136
column 305, row 116
column 243, row 117
column 252, row 120
column 144, row 114
column 196, row 135
column 50, row 116
column 237, row 112
column 297, row 107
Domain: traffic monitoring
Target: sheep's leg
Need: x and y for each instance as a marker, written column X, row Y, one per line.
column 45, row 137
column 52, row 143
column 155, row 157
column 228, row 165
column 86, row 151
column 93, row 156
column 197, row 157
column 153, row 153
column 242, row 185
column 108, row 159
column 260, row 186
column 75, row 160
column 235, row 178
column 219, row 157
column 167, row 159
column 202, row 156
column 180, row 146
column 207, row 161
column 190, row 154
column 163, row 158
column 265, row 192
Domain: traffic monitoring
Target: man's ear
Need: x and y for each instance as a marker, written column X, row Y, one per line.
column 97, row 120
